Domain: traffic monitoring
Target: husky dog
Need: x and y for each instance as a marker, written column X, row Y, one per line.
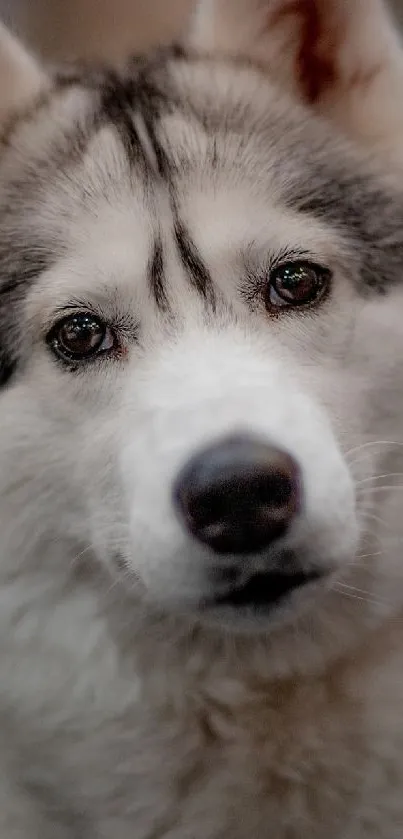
column 201, row 308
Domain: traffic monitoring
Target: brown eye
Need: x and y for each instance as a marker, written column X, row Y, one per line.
column 296, row 284
column 80, row 337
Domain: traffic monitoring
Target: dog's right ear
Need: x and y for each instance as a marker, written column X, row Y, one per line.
column 341, row 58
column 21, row 77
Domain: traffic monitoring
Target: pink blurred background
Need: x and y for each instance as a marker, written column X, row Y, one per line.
column 100, row 28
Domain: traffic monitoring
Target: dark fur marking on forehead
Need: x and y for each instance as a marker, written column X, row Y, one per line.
column 149, row 101
column 117, row 109
column 364, row 211
column 123, row 101
column 156, row 277
column 161, row 157
column 139, row 93
column 195, row 268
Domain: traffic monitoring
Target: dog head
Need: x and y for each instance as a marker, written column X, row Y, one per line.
column 201, row 274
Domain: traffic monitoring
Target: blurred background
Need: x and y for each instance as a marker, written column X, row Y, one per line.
column 94, row 28
column 100, row 28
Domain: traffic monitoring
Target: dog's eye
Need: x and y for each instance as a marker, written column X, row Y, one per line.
column 296, row 284
column 80, row 337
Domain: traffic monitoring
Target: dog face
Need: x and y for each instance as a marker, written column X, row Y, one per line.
column 199, row 325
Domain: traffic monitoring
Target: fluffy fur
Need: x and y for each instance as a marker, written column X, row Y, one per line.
column 158, row 198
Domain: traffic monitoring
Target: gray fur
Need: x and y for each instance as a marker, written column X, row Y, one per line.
column 158, row 199
column 323, row 179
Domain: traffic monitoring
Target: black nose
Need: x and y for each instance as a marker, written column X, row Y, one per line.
column 239, row 495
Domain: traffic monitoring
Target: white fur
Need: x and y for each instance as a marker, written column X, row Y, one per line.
column 125, row 710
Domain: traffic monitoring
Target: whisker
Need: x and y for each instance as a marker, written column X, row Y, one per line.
column 378, row 477
column 353, row 588
column 358, row 456
column 372, row 490
column 371, row 601
column 78, row 556
column 367, row 445
column 368, row 515
column 117, row 582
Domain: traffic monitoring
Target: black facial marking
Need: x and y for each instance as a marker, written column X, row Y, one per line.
column 117, row 108
column 8, row 366
column 151, row 103
column 127, row 100
column 157, row 278
column 21, row 263
column 162, row 160
column 367, row 214
column 197, row 272
column 177, row 51
column 8, row 344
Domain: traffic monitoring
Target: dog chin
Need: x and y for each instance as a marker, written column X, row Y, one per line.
column 248, row 611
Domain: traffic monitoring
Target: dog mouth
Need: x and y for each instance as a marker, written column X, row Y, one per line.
column 263, row 591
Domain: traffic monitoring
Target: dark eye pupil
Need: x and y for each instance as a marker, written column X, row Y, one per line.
column 296, row 284
column 81, row 335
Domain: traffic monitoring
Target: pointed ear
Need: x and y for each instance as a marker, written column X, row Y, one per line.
column 341, row 57
column 21, row 78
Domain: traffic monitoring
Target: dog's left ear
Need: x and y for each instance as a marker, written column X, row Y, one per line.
column 21, row 77
column 341, row 57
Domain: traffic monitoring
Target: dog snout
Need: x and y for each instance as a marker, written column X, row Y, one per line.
column 239, row 495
